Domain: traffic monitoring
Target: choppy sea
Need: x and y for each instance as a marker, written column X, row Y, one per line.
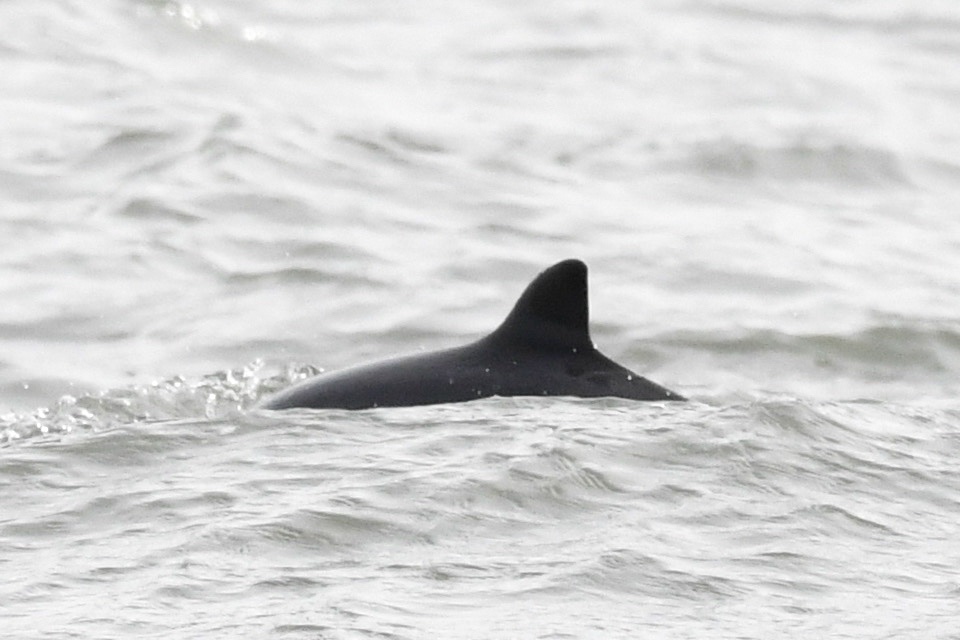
column 203, row 202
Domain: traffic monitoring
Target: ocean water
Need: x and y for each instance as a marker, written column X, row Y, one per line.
column 201, row 203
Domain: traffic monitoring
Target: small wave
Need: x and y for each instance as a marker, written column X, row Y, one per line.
column 316, row 528
column 400, row 146
column 889, row 19
column 628, row 571
column 565, row 52
column 835, row 518
column 882, row 352
column 845, row 163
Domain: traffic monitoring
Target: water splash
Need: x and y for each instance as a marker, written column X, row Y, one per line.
column 212, row 396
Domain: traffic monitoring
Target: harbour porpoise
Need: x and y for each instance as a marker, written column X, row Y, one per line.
column 543, row 348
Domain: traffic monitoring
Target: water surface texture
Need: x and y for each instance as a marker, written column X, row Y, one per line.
column 205, row 202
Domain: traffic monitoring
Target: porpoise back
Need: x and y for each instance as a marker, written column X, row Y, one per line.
column 542, row 348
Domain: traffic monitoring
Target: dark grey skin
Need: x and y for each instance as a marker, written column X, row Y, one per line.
column 543, row 348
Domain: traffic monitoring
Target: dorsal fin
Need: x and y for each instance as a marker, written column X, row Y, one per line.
column 552, row 312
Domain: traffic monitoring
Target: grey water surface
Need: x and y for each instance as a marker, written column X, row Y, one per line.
column 203, row 202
